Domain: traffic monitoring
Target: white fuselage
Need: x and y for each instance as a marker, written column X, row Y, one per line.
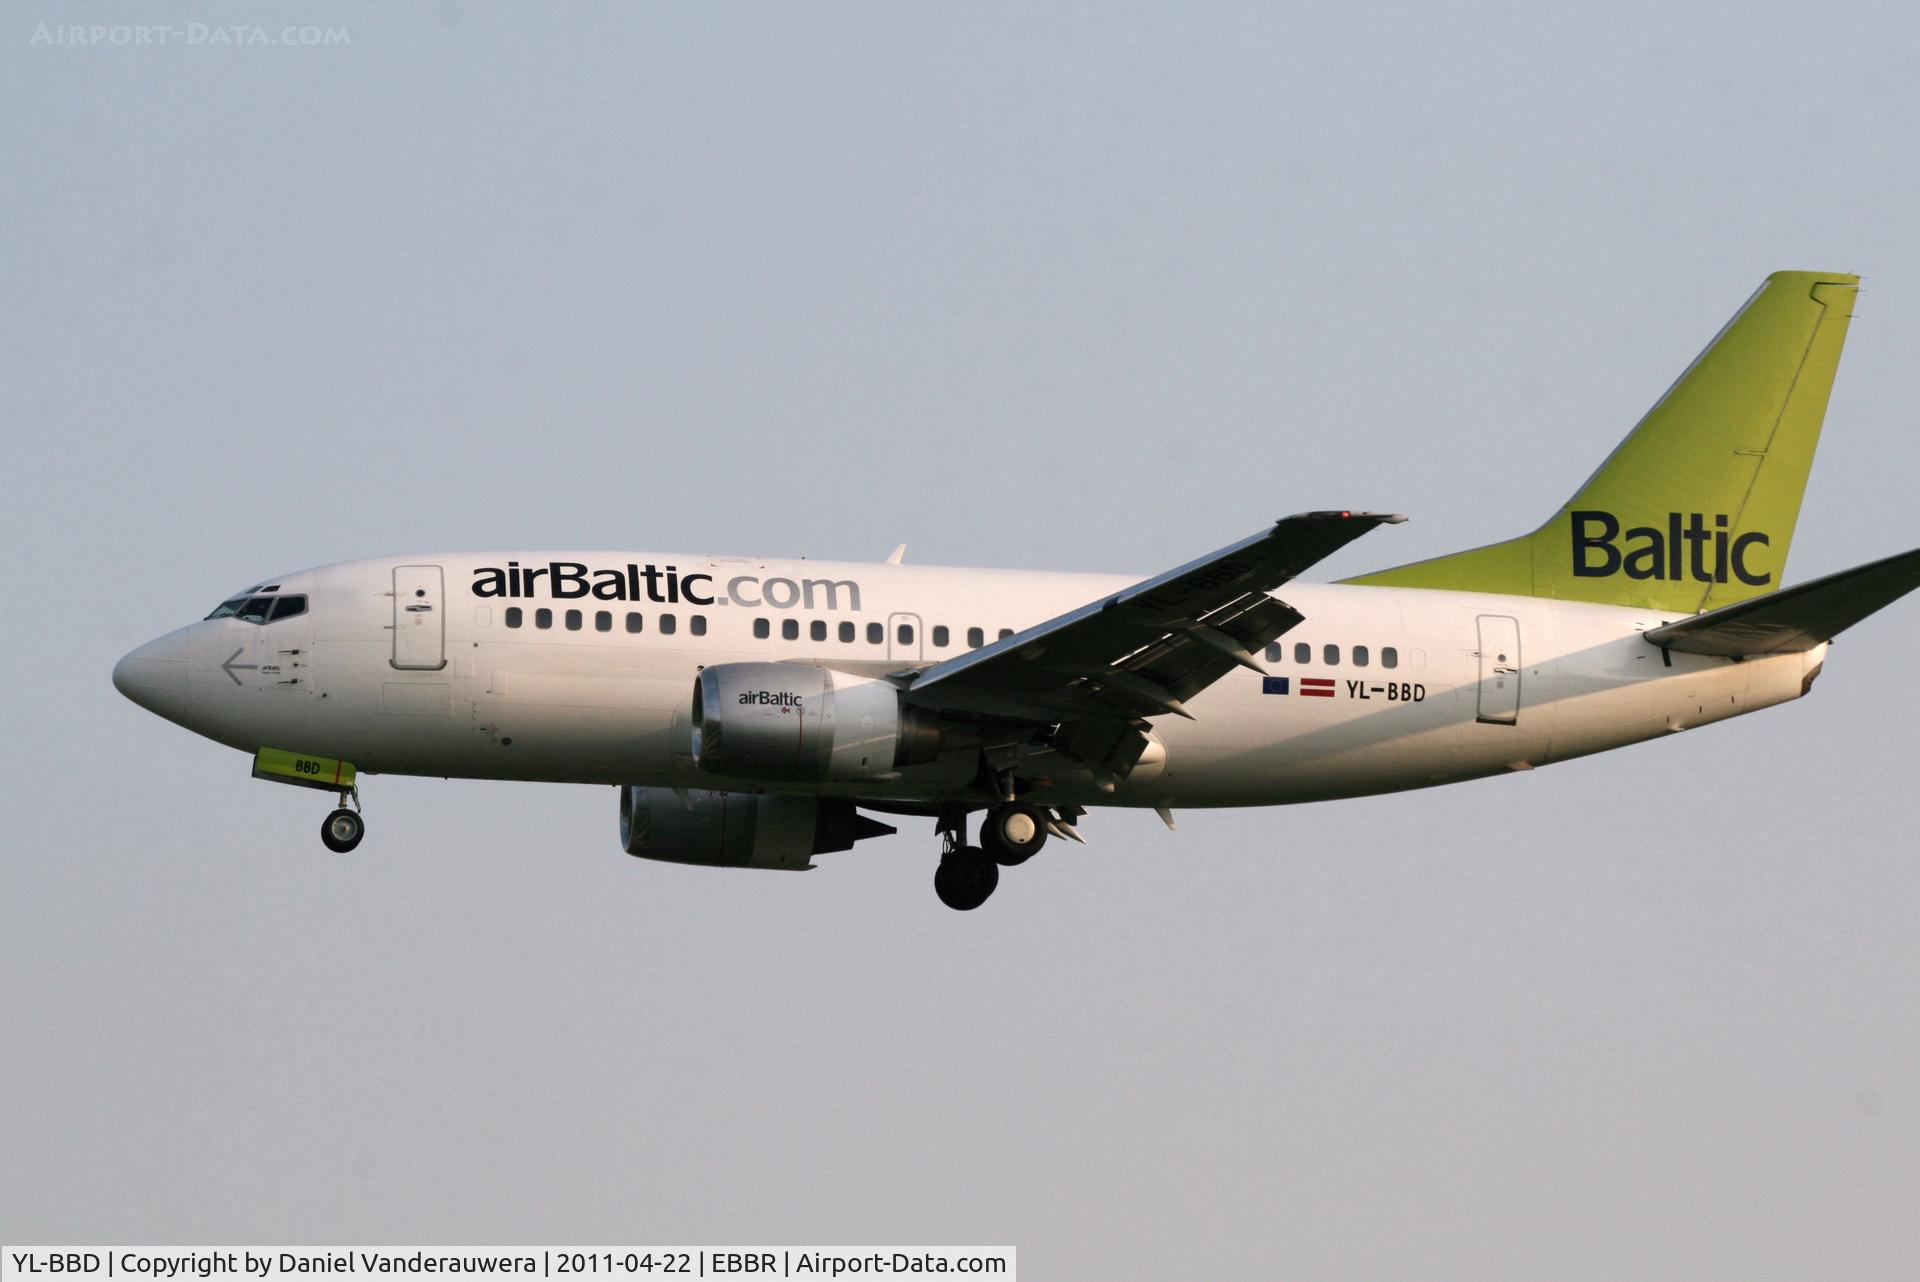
column 414, row 666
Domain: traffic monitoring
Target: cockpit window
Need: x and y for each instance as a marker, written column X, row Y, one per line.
column 260, row 609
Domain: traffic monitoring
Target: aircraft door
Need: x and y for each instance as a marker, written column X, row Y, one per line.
column 903, row 636
column 419, row 618
column 1499, row 670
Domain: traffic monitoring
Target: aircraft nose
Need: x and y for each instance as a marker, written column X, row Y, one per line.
column 155, row 674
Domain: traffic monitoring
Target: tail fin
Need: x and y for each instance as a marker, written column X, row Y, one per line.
column 1696, row 508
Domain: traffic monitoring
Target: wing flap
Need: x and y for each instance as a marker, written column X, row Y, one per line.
column 1144, row 651
column 1795, row 619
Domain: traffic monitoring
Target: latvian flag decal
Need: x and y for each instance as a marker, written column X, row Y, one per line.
column 1318, row 687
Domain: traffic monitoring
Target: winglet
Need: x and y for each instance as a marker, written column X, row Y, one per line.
column 898, row 555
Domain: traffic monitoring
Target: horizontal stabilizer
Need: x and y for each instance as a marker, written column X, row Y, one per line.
column 1798, row 618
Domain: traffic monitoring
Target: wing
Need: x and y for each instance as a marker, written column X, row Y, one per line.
column 1797, row 618
column 1145, row 651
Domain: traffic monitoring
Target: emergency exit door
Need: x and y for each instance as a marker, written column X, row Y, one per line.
column 419, row 618
column 1499, row 670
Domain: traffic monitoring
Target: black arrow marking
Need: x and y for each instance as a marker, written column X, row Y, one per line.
column 230, row 665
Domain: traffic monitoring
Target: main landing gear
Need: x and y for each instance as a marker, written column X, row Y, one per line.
column 344, row 828
column 965, row 877
column 1014, row 833
column 1011, row 834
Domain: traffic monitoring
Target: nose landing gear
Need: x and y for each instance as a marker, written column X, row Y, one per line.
column 344, row 828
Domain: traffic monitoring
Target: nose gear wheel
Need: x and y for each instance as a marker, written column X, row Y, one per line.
column 342, row 830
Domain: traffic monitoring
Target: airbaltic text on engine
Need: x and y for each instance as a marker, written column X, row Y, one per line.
column 573, row 581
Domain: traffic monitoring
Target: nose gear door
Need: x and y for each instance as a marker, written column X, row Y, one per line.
column 419, row 618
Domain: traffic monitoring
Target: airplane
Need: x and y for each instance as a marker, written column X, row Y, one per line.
column 759, row 712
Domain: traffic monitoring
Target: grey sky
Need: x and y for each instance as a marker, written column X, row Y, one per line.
column 1091, row 287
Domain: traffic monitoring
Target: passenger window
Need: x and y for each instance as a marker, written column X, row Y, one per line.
column 543, row 618
column 288, row 606
column 1275, row 652
column 633, row 621
column 1302, row 652
column 906, row 634
column 1389, row 657
column 668, row 624
column 573, row 620
column 817, row 630
column 789, row 629
column 1360, row 656
column 514, row 616
column 699, row 625
column 762, row 629
column 1330, row 655
column 603, row 621
column 940, row 634
column 875, row 634
column 976, row 637
column 846, row 634
column 1005, row 633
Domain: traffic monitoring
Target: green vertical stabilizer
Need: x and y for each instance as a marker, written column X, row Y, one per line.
column 1696, row 508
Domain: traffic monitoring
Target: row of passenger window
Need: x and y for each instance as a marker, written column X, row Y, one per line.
column 1359, row 655
column 575, row 620
column 253, row 611
column 876, row 634
column 668, row 625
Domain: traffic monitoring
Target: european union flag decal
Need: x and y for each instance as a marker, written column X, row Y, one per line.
column 1274, row 685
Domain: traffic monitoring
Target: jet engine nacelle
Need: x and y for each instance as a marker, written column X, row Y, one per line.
column 789, row 722
column 738, row 829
